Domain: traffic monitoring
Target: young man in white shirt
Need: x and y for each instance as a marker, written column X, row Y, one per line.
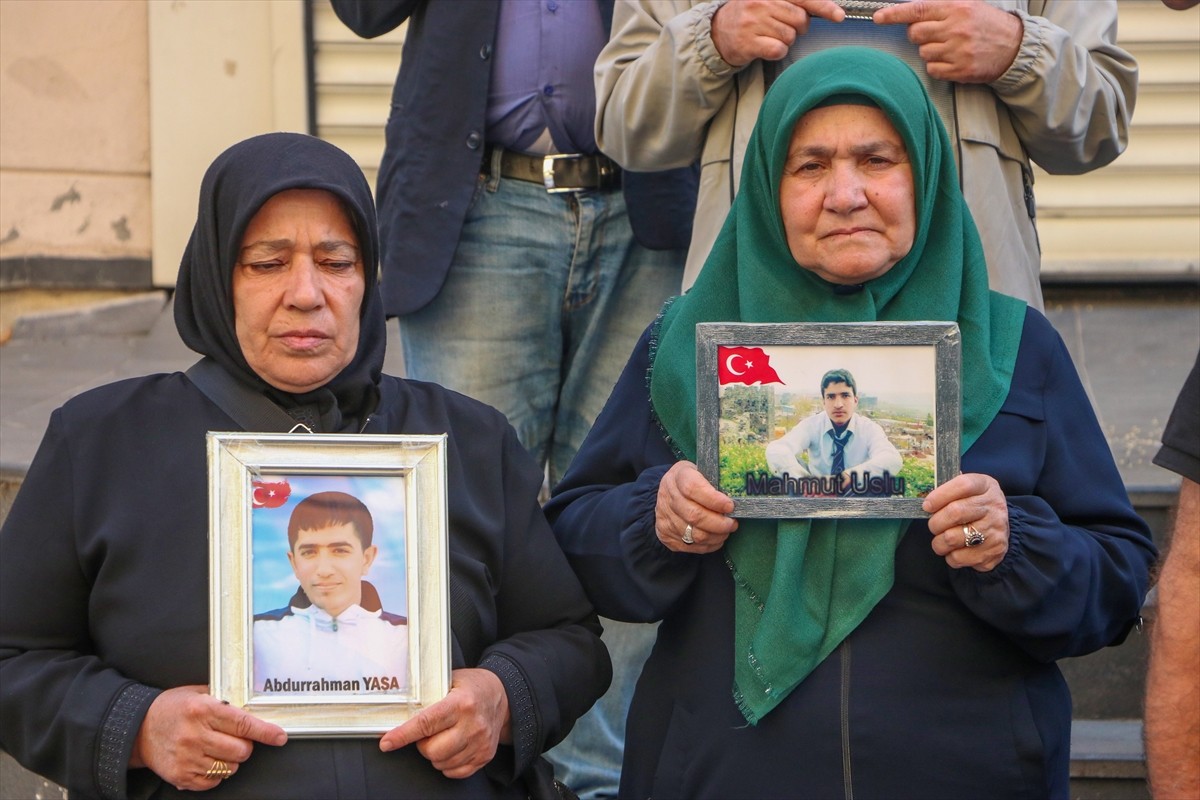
column 840, row 443
column 334, row 635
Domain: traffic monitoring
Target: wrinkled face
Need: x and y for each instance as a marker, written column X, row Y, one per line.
column 330, row 564
column 847, row 194
column 840, row 402
column 297, row 290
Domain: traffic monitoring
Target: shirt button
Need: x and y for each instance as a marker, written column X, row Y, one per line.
column 485, row 52
column 553, row 6
column 474, row 140
column 549, row 90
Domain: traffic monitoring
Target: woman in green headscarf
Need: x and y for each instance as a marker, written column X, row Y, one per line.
column 856, row 657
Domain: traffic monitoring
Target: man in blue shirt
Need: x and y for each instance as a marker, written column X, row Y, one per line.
column 523, row 264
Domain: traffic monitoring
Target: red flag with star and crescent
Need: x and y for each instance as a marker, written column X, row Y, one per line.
column 270, row 494
column 748, row 365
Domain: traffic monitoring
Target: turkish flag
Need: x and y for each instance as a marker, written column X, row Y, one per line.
column 748, row 365
column 270, row 494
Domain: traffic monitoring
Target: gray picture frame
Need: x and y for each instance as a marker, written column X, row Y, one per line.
column 236, row 461
column 870, row 343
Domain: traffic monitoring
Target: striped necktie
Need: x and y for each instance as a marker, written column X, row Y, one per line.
column 839, row 450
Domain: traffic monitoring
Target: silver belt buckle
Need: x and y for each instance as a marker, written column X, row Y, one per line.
column 548, row 174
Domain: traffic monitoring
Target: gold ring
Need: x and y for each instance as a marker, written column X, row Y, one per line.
column 219, row 769
column 972, row 537
column 687, row 535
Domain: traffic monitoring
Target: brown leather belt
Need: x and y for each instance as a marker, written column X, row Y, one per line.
column 558, row 173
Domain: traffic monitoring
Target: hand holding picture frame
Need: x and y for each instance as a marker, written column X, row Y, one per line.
column 328, row 578
column 798, row 420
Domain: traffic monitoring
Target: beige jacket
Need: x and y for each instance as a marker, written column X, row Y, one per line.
column 665, row 98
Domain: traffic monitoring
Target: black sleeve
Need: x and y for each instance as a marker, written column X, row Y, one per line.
column 603, row 509
column 547, row 651
column 1180, row 452
column 64, row 713
column 371, row 18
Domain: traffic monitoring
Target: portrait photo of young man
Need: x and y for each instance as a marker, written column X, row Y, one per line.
column 333, row 635
column 836, row 442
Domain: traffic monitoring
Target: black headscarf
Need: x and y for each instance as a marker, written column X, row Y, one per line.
column 234, row 188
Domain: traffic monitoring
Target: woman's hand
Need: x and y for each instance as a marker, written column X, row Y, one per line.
column 459, row 734
column 688, row 507
column 187, row 730
column 961, row 506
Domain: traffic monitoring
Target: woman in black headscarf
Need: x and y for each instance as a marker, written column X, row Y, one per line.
column 103, row 558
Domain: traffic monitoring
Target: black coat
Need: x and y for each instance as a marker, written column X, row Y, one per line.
column 104, row 597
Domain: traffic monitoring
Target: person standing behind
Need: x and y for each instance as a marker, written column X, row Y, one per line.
column 507, row 247
column 1012, row 80
column 523, row 264
column 1172, row 682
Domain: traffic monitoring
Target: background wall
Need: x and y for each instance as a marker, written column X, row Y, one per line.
column 111, row 112
column 1140, row 216
column 220, row 71
column 74, row 143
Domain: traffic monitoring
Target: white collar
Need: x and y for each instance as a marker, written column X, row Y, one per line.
column 353, row 615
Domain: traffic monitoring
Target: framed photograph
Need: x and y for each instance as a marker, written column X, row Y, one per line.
column 804, row 420
column 328, row 587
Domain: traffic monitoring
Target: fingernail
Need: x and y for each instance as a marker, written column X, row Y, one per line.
column 386, row 746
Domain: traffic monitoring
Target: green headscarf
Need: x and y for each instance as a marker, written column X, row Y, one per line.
column 801, row 586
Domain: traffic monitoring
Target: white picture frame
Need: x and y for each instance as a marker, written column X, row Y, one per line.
column 405, row 477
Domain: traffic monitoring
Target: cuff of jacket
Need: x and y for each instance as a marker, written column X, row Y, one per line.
column 700, row 29
column 118, row 733
column 1019, row 525
column 1032, row 50
column 640, row 518
column 526, row 729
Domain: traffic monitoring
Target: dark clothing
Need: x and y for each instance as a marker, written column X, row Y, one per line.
column 1180, row 452
column 436, row 137
column 234, row 188
column 104, row 597
column 947, row 689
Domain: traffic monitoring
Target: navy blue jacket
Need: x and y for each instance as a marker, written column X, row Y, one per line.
column 435, row 139
column 948, row 689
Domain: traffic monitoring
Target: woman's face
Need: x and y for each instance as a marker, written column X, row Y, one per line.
column 297, row 290
column 847, row 194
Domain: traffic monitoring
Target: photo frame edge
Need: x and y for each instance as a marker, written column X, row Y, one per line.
column 230, row 663
column 943, row 336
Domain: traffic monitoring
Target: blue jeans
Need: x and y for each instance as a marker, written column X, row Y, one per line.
column 545, row 299
column 547, row 296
